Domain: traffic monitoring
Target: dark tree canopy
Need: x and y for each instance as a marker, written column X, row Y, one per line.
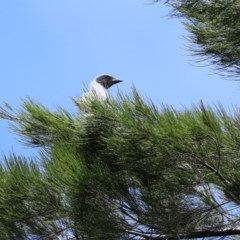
column 123, row 170
column 214, row 31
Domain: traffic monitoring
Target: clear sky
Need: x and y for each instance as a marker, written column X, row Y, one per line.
column 51, row 49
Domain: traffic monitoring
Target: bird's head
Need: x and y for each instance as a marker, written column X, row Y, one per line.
column 107, row 81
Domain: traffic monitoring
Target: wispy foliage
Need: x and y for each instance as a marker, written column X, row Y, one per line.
column 124, row 166
column 214, row 31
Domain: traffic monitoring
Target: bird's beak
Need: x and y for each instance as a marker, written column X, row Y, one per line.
column 114, row 81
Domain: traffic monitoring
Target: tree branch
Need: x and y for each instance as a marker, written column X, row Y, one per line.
column 200, row 234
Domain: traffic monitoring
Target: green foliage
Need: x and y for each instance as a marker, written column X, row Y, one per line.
column 120, row 169
column 214, row 26
column 28, row 203
column 41, row 125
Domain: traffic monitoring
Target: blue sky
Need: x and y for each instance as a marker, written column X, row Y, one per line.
column 51, row 50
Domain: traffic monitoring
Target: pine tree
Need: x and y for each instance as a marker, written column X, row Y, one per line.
column 125, row 169
column 214, row 31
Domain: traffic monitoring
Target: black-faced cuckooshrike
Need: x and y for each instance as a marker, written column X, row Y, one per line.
column 98, row 87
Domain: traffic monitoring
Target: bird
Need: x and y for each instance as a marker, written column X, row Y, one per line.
column 97, row 89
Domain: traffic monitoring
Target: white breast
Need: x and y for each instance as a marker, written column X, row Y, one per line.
column 95, row 91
